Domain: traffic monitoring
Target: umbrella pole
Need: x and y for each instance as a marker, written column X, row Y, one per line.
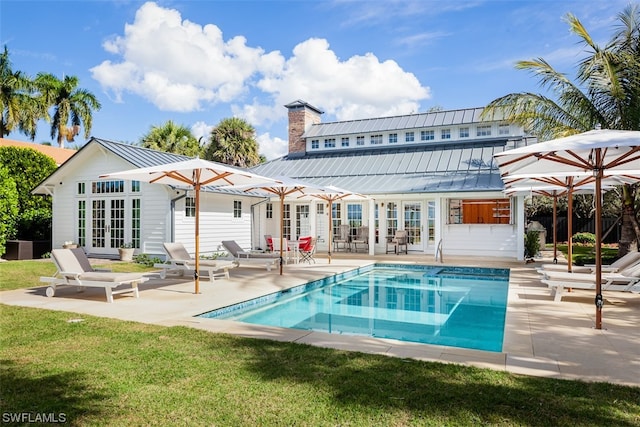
column 195, row 274
column 281, row 230
column 555, row 227
column 569, row 228
column 599, row 300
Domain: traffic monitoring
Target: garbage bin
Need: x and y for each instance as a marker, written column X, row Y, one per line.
column 542, row 232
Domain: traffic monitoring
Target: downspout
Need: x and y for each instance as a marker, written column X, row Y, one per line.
column 172, row 230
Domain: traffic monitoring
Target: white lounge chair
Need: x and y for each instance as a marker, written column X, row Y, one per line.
column 248, row 257
column 180, row 261
column 74, row 269
column 627, row 280
column 628, row 260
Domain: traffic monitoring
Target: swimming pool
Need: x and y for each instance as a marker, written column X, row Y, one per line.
column 453, row 306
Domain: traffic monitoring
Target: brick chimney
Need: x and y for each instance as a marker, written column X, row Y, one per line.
column 301, row 117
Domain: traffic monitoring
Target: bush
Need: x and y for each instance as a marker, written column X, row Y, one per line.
column 8, row 208
column 531, row 244
column 584, row 238
column 145, row 259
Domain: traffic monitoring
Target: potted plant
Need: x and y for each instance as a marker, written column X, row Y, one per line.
column 69, row 245
column 126, row 251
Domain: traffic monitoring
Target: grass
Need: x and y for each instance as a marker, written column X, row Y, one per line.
column 100, row 371
column 585, row 254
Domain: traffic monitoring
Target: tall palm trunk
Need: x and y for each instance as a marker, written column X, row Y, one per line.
column 630, row 232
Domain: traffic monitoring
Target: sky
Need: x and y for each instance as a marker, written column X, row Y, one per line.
column 197, row 62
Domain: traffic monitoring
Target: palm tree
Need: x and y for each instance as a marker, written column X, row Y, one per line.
column 71, row 105
column 233, row 142
column 171, row 138
column 20, row 111
column 606, row 94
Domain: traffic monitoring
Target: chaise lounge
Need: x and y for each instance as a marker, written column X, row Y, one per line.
column 74, row 269
column 248, row 257
column 180, row 261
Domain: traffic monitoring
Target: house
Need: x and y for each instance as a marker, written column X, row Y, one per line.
column 431, row 174
column 101, row 215
column 59, row 155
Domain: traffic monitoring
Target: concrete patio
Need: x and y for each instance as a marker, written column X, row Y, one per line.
column 542, row 338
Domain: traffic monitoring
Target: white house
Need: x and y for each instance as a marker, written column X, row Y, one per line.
column 431, row 174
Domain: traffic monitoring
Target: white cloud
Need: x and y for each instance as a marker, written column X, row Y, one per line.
column 272, row 148
column 201, row 130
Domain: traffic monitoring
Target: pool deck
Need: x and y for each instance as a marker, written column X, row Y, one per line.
column 542, row 338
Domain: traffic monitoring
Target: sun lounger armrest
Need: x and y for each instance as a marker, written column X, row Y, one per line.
column 244, row 254
column 69, row 274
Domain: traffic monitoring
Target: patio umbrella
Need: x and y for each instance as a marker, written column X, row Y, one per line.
column 193, row 173
column 332, row 194
column 283, row 187
column 597, row 153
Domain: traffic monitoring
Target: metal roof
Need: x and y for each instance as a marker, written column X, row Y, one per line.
column 405, row 122
column 425, row 168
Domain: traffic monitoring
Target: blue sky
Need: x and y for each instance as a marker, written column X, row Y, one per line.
column 198, row 62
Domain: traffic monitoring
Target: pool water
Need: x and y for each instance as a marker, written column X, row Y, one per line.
column 453, row 306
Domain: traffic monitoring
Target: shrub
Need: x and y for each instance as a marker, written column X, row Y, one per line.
column 145, row 259
column 531, row 243
column 584, row 238
column 8, row 208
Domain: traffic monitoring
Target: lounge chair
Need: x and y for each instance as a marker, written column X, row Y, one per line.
column 627, row 280
column 179, row 261
column 308, row 249
column 399, row 241
column 74, row 269
column 248, row 257
column 628, row 260
column 361, row 238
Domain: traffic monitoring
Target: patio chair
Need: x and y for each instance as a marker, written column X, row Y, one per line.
column 248, row 257
column 628, row 260
column 74, row 269
column 342, row 238
column 269, row 241
column 308, row 249
column 180, row 261
column 627, row 280
column 361, row 238
column 399, row 240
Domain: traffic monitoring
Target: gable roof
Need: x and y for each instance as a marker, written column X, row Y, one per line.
column 59, row 155
column 424, row 168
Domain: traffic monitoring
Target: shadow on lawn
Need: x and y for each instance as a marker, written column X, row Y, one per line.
column 442, row 390
column 63, row 395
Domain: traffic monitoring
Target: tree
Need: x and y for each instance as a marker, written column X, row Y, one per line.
column 171, row 138
column 606, row 94
column 233, row 142
column 20, row 111
column 8, row 208
column 72, row 107
column 27, row 168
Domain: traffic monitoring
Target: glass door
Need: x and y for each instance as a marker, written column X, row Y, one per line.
column 107, row 225
column 413, row 225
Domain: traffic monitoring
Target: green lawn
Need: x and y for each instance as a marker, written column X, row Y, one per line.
column 100, row 371
column 585, row 254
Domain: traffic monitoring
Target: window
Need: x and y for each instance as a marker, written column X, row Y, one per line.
column 336, row 216
column 315, row 144
column 445, row 134
column 484, row 130
column 330, row 143
column 464, row 132
column 427, row 135
column 393, row 138
column 345, row 141
column 354, row 218
column 286, row 221
column 303, row 226
column 81, row 188
column 479, row 211
column 190, row 207
column 135, row 186
column 269, row 210
column 409, row 137
column 376, row 139
column 237, row 209
column 360, row 140
column 503, row 129
column 82, row 222
column 135, row 221
column 392, row 219
column 103, row 187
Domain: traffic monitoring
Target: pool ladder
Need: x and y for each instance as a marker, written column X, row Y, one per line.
column 439, row 252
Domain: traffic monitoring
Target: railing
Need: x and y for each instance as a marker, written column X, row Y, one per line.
column 439, row 252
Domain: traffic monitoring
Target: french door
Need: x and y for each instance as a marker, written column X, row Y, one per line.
column 106, row 225
column 412, row 216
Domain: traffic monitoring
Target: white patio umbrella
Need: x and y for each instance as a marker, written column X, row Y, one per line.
column 332, row 194
column 282, row 187
column 597, row 153
column 193, row 173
